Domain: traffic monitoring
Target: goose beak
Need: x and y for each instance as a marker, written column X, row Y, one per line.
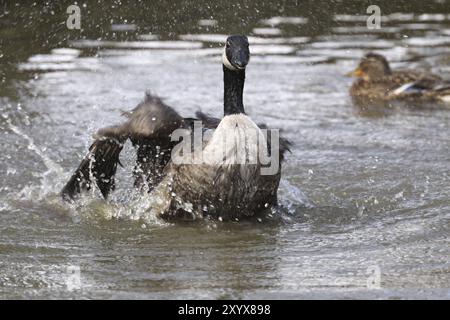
column 358, row 73
column 241, row 61
column 239, row 66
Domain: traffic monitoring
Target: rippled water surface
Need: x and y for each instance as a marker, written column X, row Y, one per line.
column 365, row 189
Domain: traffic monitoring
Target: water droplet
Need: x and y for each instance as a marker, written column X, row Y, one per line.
column 399, row 195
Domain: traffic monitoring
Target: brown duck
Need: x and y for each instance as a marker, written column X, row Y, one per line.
column 377, row 81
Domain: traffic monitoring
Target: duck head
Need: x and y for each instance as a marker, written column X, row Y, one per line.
column 371, row 67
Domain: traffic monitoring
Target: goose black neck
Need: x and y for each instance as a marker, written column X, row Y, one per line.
column 233, row 90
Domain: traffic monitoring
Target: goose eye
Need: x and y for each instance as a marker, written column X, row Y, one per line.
column 228, row 44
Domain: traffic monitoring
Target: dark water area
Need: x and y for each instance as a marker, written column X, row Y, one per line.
column 364, row 188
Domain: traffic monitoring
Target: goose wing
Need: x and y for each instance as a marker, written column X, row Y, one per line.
column 99, row 165
column 149, row 127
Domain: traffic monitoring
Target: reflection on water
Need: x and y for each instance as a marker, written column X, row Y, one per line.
column 365, row 186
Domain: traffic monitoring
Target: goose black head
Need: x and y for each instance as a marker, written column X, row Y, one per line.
column 236, row 54
column 372, row 67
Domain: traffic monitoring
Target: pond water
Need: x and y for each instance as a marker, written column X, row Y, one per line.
column 364, row 193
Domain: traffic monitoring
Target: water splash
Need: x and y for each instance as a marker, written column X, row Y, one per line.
column 51, row 179
column 293, row 198
column 89, row 205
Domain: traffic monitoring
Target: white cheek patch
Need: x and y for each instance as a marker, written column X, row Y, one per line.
column 227, row 62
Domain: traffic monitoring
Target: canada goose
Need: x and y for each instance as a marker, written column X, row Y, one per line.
column 378, row 81
column 219, row 186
